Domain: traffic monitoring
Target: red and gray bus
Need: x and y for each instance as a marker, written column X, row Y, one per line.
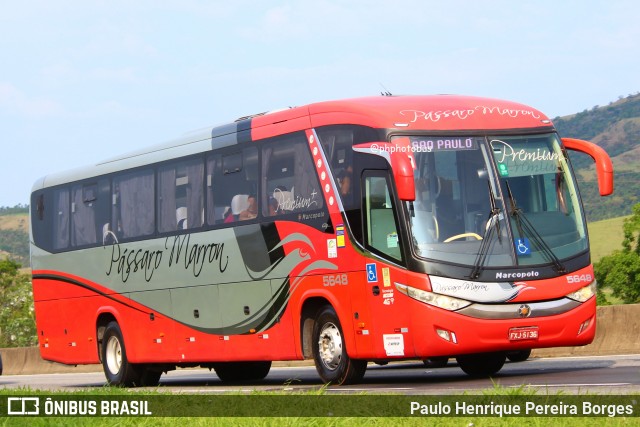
column 355, row 231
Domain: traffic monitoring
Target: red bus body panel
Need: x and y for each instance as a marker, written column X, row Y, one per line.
column 68, row 308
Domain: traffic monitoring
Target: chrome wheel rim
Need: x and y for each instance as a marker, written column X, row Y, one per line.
column 113, row 355
column 330, row 346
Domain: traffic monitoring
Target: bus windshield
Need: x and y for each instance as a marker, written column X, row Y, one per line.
column 497, row 201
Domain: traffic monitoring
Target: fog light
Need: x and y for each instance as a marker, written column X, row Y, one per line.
column 447, row 335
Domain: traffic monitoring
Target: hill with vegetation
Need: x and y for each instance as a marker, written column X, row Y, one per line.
column 616, row 128
column 14, row 234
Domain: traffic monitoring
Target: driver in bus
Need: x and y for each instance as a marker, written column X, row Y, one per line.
column 344, row 179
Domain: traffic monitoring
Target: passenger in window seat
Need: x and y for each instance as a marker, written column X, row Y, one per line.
column 252, row 210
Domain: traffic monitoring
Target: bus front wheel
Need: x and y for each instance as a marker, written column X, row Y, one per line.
column 330, row 354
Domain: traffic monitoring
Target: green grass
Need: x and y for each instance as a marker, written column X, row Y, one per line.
column 329, row 422
column 605, row 237
column 500, row 395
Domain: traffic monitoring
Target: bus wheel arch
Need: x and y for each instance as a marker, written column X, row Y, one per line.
column 102, row 322
column 310, row 308
column 330, row 352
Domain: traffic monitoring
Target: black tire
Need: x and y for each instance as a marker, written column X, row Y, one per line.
column 149, row 376
column 242, row 371
column 481, row 364
column 436, row 362
column 330, row 353
column 519, row 356
column 117, row 369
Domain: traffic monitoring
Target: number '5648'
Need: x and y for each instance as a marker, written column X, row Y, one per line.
column 578, row 278
column 337, row 279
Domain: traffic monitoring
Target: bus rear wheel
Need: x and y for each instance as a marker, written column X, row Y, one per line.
column 481, row 364
column 330, row 354
column 117, row 368
column 242, row 371
column 149, row 376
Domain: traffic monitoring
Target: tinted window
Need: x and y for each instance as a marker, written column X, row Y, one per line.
column 180, row 195
column 133, row 204
column 290, row 180
column 232, row 186
column 61, row 208
column 83, row 215
column 382, row 232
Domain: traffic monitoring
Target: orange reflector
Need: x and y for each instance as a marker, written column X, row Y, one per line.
column 584, row 326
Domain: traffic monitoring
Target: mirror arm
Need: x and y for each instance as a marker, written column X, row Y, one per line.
column 604, row 166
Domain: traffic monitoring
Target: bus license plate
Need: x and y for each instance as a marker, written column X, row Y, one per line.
column 526, row 333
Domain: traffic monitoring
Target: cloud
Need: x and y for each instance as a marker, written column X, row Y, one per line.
column 123, row 74
column 14, row 101
column 302, row 21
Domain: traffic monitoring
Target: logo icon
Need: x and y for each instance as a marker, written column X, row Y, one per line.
column 524, row 310
column 23, row 406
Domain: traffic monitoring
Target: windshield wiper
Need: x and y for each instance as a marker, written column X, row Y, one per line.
column 525, row 228
column 494, row 215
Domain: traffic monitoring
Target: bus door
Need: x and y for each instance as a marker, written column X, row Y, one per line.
column 389, row 319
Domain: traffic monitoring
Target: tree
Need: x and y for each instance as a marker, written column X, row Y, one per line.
column 631, row 230
column 621, row 270
column 17, row 319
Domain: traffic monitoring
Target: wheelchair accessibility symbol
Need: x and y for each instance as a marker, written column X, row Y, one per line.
column 523, row 246
column 372, row 273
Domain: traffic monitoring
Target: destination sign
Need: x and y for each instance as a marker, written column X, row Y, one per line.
column 443, row 143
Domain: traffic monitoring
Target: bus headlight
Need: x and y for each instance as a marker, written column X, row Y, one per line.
column 436, row 300
column 581, row 295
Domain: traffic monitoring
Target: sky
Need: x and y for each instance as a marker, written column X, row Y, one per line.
column 82, row 81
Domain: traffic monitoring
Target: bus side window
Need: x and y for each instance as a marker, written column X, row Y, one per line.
column 230, row 180
column 61, row 209
column 290, row 183
column 382, row 232
column 180, row 195
column 83, row 218
column 41, row 218
column 133, row 204
column 215, row 206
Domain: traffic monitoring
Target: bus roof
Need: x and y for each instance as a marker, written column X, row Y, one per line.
column 437, row 113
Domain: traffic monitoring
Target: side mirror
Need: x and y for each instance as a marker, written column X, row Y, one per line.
column 399, row 156
column 604, row 167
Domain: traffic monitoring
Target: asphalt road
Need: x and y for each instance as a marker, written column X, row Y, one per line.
column 603, row 375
